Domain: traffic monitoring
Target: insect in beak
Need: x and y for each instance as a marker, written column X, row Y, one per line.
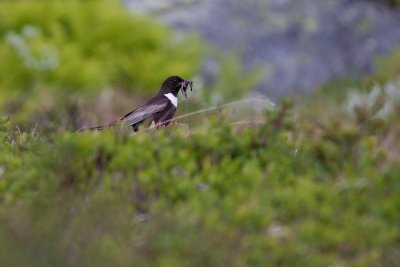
column 184, row 86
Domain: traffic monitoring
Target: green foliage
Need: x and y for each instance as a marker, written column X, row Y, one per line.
column 87, row 45
column 60, row 59
column 388, row 67
column 338, row 88
column 308, row 192
column 233, row 81
column 387, row 70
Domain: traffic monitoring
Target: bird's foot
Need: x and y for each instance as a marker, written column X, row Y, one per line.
column 159, row 125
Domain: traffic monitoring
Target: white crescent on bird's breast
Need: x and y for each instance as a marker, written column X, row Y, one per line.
column 172, row 98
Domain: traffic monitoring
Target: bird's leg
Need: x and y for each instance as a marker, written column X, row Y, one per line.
column 159, row 125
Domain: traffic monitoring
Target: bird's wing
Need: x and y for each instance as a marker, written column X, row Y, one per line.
column 144, row 112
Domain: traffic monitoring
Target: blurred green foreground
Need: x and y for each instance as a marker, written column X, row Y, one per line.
column 312, row 184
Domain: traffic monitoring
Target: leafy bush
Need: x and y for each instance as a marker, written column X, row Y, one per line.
column 317, row 191
column 87, row 45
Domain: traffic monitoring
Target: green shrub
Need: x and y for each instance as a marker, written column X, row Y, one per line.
column 284, row 193
column 87, row 45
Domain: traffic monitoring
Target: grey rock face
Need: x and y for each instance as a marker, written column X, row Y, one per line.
column 301, row 43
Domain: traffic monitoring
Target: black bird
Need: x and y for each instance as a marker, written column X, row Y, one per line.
column 160, row 108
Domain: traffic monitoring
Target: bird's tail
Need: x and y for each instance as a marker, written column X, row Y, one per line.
column 98, row 128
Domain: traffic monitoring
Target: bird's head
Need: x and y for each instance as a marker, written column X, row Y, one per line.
column 174, row 84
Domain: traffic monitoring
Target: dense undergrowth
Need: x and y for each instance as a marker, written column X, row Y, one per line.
column 290, row 192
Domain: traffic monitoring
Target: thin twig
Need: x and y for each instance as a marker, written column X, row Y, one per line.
column 211, row 109
column 247, row 122
column 219, row 107
column 20, row 134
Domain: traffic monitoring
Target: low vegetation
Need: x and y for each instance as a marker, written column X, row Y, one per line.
column 295, row 190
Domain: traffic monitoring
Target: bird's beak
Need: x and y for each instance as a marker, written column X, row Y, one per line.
column 184, row 86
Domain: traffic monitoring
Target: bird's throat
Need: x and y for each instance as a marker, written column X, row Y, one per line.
column 172, row 98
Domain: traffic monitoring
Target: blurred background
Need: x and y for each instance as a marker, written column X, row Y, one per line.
column 84, row 62
column 299, row 45
column 305, row 175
